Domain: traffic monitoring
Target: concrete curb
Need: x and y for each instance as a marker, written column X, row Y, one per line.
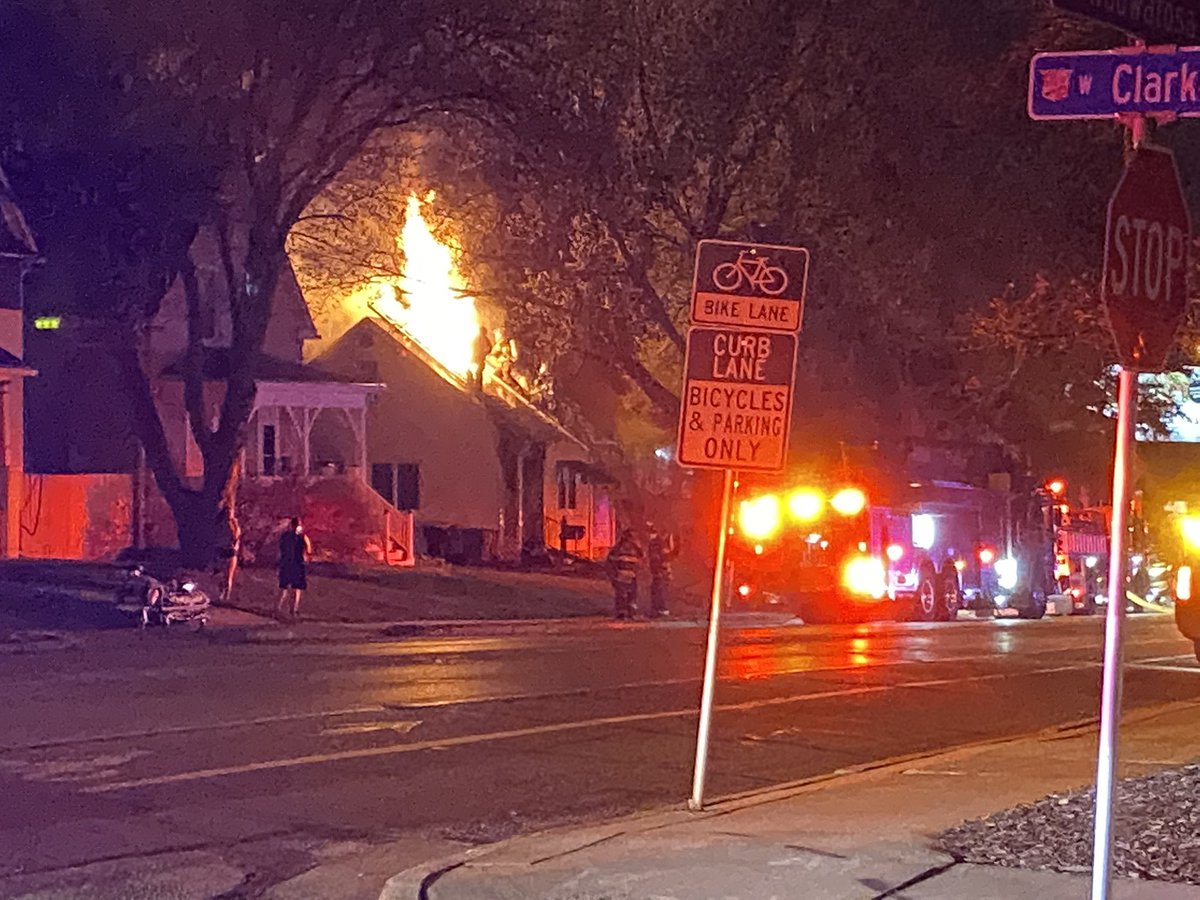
column 415, row 882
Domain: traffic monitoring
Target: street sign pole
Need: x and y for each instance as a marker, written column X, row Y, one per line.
column 1143, row 289
column 1110, row 697
column 739, row 375
column 710, row 654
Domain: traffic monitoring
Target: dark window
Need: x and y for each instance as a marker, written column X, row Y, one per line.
column 567, row 477
column 383, row 479
column 398, row 483
column 268, row 450
column 408, row 486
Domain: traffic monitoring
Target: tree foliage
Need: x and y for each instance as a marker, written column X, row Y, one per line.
column 250, row 109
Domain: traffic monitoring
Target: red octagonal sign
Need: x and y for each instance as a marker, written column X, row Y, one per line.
column 1146, row 259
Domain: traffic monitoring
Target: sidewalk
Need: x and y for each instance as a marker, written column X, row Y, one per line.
column 862, row 834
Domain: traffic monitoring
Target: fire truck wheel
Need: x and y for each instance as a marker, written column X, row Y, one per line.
column 927, row 600
column 1033, row 606
column 949, row 596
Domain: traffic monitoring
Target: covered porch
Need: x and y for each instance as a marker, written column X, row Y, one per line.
column 308, row 428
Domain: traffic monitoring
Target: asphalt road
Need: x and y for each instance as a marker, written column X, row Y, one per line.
column 252, row 763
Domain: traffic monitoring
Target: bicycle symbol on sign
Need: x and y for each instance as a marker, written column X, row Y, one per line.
column 728, row 276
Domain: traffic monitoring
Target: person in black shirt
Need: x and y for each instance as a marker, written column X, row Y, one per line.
column 294, row 550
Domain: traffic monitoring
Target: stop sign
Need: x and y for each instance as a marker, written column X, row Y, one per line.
column 1146, row 259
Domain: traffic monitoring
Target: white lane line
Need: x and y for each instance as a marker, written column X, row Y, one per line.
column 533, row 731
column 1162, row 667
column 1160, row 659
column 496, row 698
column 187, row 729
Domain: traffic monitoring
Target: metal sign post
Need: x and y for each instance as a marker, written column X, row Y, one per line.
column 738, row 380
column 1110, row 695
column 696, row 802
column 1143, row 290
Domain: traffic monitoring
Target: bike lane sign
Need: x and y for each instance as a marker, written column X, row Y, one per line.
column 737, row 399
column 749, row 285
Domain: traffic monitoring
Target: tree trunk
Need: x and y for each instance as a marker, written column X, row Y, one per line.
column 200, row 519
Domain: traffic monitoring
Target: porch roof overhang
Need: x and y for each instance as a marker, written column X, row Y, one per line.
column 315, row 394
column 12, row 366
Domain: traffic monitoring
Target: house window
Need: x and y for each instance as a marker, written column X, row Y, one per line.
column 398, row 483
column 268, row 449
column 408, row 486
column 567, row 476
column 383, row 479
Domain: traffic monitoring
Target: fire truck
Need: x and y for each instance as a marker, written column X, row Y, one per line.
column 865, row 544
column 1080, row 550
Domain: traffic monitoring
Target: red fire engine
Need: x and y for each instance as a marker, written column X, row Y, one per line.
column 864, row 545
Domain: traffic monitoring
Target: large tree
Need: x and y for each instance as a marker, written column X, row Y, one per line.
column 230, row 117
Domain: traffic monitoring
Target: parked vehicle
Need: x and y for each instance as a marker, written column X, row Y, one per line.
column 156, row 602
column 860, row 544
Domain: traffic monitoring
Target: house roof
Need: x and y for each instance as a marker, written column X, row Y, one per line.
column 15, row 237
column 508, row 404
column 216, row 367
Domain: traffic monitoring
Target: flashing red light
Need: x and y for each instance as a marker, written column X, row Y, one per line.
column 895, row 552
column 1056, row 487
column 744, row 590
column 987, row 556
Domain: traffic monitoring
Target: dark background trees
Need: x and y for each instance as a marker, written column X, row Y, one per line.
column 891, row 138
column 579, row 150
column 148, row 120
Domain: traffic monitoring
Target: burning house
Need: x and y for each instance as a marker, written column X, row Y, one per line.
column 458, row 436
column 399, row 422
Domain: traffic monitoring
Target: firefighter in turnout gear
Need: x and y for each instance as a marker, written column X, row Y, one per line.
column 624, row 560
column 660, row 550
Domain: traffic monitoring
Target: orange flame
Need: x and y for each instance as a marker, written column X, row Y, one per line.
column 429, row 301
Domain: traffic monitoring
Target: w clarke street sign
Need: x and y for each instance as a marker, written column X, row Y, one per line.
column 749, row 285
column 737, row 399
column 1160, row 21
column 1101, row 84
column 1146, row 259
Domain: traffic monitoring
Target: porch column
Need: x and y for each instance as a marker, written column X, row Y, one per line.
column 308, row 416
column 361, row 434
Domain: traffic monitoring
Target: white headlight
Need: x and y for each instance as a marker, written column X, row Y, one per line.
column 1006, row 573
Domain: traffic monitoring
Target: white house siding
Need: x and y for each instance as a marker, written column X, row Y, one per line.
column 420, row 418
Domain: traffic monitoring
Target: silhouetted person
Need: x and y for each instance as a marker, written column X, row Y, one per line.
column 624, row 560
column 229, row 543
column 294, row 550
column 660, row 550
column 483, row 346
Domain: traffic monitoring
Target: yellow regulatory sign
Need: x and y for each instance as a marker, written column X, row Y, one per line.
column 737, row 399
column 749, row 285
column 740, row 370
